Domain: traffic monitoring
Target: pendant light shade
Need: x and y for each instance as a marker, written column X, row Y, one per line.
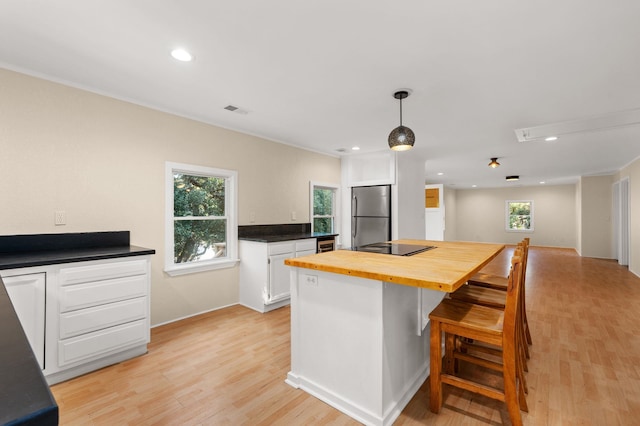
column 401, row 138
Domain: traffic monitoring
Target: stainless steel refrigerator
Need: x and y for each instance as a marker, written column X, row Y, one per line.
column 370, row 215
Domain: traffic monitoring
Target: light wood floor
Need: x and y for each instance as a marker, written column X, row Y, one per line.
column 228, row 367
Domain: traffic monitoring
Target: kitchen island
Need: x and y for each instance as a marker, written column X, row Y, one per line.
column 358, row 336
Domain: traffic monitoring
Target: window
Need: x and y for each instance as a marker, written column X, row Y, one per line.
column 323, row 207
column 201, row 229
column 519, row 216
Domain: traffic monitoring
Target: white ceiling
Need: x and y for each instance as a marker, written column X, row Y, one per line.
column 321, row 74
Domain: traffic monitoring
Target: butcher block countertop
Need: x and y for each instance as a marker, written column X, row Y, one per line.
column 444, row 268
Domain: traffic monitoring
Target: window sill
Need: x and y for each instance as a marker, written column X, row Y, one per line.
column 200, row 267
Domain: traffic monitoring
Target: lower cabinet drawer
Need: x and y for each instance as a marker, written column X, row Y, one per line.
column 96, row 293
column 101, row 271
column 102, row 342
column 103, row 316
column 305, row 245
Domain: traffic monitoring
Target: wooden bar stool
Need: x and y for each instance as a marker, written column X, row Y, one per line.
column 494, row 299
column 491, row 292
column 499, row 282
column 474, row 352
column 482, row 324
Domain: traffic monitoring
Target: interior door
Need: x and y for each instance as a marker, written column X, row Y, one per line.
column 434, row 212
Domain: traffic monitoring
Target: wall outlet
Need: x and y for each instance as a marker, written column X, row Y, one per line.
column 252, row 217
column 60, row 217
column 312, row 280
column 293, row 216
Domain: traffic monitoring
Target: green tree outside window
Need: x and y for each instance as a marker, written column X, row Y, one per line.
column 519, row 215
column 323, row 209
column 200, row 221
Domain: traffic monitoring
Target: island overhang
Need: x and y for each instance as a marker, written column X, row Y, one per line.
column 445, row 268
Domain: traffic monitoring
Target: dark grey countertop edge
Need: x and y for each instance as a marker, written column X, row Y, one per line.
column 288, row 237
column 55, row 257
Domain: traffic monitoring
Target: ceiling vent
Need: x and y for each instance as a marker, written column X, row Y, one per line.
column 591, row 124
column 236, row 109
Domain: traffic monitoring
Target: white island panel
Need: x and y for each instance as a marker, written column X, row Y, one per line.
column 354, row 343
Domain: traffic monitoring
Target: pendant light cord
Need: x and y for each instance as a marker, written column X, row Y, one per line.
column 400, row 111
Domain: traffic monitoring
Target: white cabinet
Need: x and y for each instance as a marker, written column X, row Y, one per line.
column 27, row 294
column 97, row 312
column 373, row 168
column 103, row 310
column 264, row 278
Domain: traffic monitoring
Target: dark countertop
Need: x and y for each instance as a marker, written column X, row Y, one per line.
column 55, row 257
column 287, row 237
column 23, row 251
column 25, row 398
column 280, row 232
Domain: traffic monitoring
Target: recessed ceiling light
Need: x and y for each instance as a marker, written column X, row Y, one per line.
column 474, row 186
column 182, row 55
column 440, row 173
column 355, row 148
column 542, row 182
column 551, row 138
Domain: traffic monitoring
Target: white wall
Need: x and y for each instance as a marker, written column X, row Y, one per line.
column 102, row 161
column 480, row 215
column 632, row 171
column 595, row 216
column 409, row 201
column 578, row 201
column 450, row 214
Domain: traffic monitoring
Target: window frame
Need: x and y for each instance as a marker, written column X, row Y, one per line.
column 507, row 216
column 335, row 205
column 231, row 215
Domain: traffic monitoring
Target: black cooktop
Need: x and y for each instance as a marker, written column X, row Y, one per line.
column 395, row 249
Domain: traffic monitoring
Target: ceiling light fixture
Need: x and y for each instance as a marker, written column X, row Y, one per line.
column 401, row 138
column 551, row 138
column 494, row 163
column 512, row 178
column 182, row 55
column 594, row 123
column 355, row 148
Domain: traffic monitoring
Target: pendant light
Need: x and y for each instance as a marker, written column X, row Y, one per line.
column 401, row 138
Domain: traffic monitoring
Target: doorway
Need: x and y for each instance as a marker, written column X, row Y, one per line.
column 621, row 221
column 434, row 212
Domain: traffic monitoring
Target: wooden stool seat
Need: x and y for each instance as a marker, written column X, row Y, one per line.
column 481, row 296
column 482, row 279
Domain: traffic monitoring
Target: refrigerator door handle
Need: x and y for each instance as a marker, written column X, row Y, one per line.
column 354, row 216
column 354, row 226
